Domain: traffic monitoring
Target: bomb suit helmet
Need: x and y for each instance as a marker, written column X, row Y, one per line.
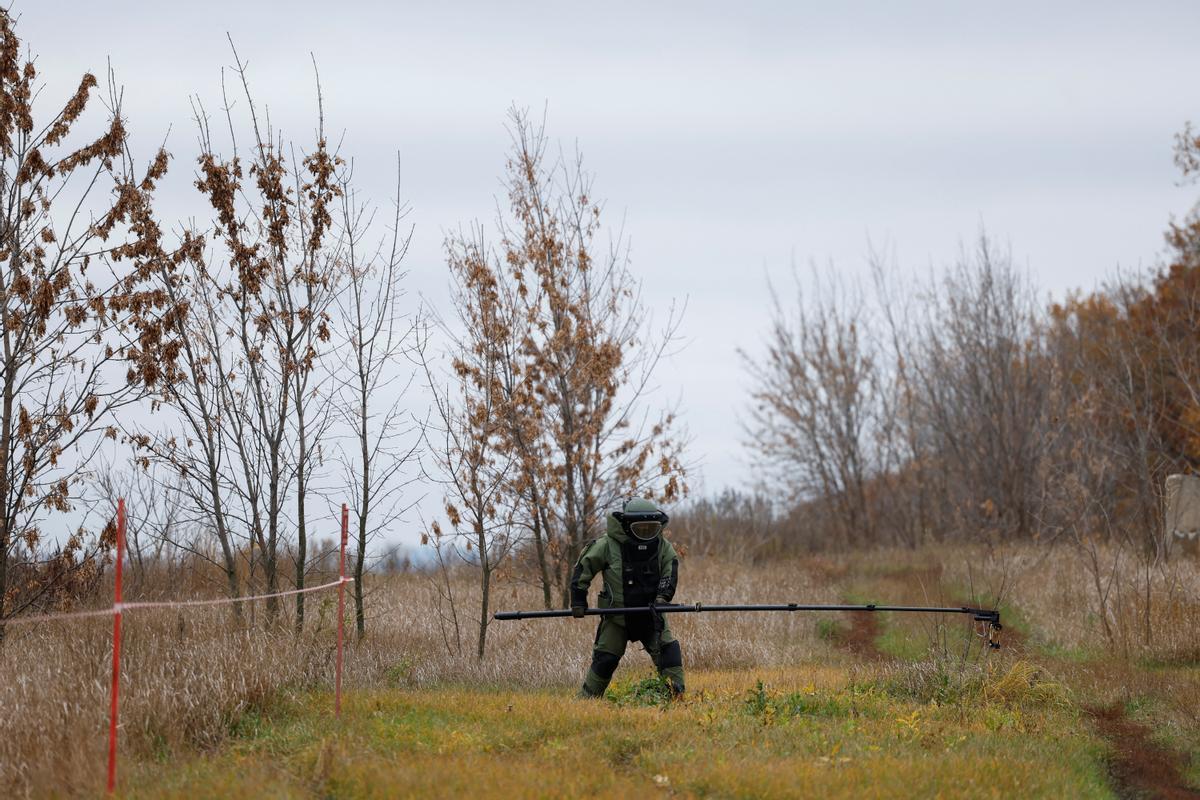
column 640, row 518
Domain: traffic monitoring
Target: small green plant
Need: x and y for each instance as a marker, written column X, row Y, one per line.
column 1139, row 703
column 759, row 699
column 762, row 703
column 159, row 746
column 248, row 724
column 400, row 674
column 655, row 691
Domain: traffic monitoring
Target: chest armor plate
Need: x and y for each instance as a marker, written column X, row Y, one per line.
column 639, row 571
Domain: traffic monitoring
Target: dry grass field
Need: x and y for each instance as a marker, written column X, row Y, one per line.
column 779, row 705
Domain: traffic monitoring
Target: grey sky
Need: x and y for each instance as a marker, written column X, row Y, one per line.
column 731, row 137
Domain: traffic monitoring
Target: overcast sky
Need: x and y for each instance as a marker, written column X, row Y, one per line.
column 731, row 138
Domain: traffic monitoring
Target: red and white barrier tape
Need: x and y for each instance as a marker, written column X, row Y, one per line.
column 118, row 608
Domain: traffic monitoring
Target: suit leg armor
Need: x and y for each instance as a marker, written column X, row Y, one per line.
column 606, row 655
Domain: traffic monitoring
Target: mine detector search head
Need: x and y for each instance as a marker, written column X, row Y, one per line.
column 988, row 618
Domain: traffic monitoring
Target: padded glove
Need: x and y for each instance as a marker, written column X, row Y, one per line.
column 577, row 611
column 659, row 623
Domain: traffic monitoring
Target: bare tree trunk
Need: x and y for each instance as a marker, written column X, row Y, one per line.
column 485, row 586
column 379, row 337
column 230, row 560
column 5, row 483
column 540, row 552
column 364, row 510
column 274, row 502
column 301, row 525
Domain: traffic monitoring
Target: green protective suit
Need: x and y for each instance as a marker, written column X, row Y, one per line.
column 636, row 573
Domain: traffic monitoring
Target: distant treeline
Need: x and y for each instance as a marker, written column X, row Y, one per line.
column 963, row 408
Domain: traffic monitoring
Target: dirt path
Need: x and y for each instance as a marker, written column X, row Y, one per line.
column 860, row 639
column 1013, row 639
column 913, row 584
column 1140, row 768
column 919, row 585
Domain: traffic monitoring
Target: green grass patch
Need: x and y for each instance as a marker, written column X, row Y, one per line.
column 830, row 630
column 951, row 681
column 1184, row 662
column 1060, row 652
column 733, row 736
column 853, row 702
column 905, row 642
column 1192, row 773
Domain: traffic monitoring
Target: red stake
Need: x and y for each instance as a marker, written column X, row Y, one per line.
column 116, row 650
column 337, row 691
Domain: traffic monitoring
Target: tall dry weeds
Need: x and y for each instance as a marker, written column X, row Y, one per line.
column 191, row 676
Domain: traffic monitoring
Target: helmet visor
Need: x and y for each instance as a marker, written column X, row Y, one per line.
column 645, row 530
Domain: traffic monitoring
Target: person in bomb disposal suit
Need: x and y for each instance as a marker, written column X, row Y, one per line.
column 640, row 568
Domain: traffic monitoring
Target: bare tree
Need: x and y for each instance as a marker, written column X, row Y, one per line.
column 380, row 339
column 445, row 551
column 981, row 384
column 933, row 423
column 1116, row 450
column 305, row 293
column 907, row 465
column 817, row 406
column 553, row 358
column 156, row 525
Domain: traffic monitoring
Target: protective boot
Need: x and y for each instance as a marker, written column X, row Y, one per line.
column 675, row 676
column 593, row 687
column 670, row 665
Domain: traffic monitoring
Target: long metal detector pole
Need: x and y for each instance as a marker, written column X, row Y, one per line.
column 986, row 615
